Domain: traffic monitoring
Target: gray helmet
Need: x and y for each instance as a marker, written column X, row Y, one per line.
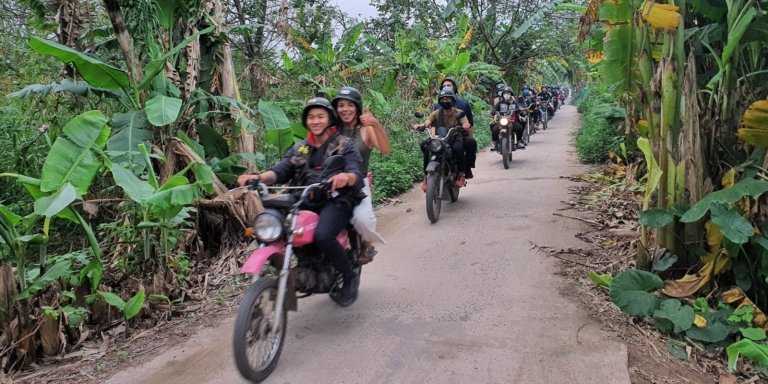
column 447, row 92
column 351, row 94
column 319, row 102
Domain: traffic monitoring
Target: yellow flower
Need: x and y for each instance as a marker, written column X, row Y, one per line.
column 304, row 149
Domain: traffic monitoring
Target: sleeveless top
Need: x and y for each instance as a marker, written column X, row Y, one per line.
column 362, row 147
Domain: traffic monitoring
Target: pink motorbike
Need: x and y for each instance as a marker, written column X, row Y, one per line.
column 286, row 266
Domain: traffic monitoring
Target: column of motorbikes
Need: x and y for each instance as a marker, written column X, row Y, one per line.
column 531, row 112
column 287, row 265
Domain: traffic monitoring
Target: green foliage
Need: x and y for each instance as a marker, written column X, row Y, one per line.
column 131, row 308
column 673, row 317
column 631, row 292
column 599, row 134
column 666, row 261
column 602, row 281
column 717, row 329
column 750, row 350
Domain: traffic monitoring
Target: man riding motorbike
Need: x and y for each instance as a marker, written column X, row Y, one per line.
column 302, row 165
column 507, row 106
column 448, row 116
column 368, row 134
column 469, row 142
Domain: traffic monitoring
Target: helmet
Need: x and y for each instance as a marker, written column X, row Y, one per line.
column 319, row 102
column 499, row 88
column 447, row 92
column 453, row 81
column 351, row 94
column 507, row 89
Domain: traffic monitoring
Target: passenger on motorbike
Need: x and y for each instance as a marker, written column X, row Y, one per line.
column 447, row 116
column 507, row 106
column 469, row 142
column 368, row 134
column 302, row 165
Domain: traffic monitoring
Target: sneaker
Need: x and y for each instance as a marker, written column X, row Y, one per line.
column 348, row 292
column 461, row 181
column 424, row 185
column 468, row 174
column 495, row 147
column 367, row 253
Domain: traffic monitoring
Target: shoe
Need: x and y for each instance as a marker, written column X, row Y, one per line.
column 495, row 147
column 461, row 181
column 366, row 253
column 424, row 185
column 468, row 174
column 348, row 292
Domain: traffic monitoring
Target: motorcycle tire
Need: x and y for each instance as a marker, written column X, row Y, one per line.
column 251, row 325
column 506, row 152
column 434, row 200
column 453, row 192
column 544, row 123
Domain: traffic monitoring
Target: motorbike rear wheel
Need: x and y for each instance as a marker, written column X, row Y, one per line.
column 506, row 153
column 434, row 200
column 254, row 335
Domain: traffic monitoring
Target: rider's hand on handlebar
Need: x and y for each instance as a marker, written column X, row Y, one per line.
column 339, row 181
column 243, row 179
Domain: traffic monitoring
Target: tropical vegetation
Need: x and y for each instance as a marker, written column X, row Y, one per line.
column 123, row 116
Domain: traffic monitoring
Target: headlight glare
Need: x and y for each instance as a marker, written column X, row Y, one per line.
column 504, row 121
column 268, row 227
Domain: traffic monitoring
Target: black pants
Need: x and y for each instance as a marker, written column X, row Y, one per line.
column 334, row 216
column 470, row 147
column 457, row 150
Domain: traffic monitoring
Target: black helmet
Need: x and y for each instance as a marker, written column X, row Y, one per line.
column 453, row 81
column 319, row 102
column 507, row 89
column 351, row 94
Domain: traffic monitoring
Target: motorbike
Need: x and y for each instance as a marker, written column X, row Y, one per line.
column 286, row 264
column 506, row 138
column 523, row 118
column 538, row 108
column 442, row 170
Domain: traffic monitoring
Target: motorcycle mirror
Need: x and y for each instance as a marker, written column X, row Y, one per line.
column 418, row 115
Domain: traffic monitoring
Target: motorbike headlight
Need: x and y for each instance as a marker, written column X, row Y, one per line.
column 504, row 121
column 435, row 145
column 268, row 227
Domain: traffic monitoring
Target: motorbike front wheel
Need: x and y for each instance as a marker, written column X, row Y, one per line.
column 257, row 345
column 434, row 200
column 506, row 153
column 544, row 122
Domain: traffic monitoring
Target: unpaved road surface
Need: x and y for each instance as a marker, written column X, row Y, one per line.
column 465, row 300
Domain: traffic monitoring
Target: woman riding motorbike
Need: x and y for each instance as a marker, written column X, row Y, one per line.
column 368, row 134
column 302, row 165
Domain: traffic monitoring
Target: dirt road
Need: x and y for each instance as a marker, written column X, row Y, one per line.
column 465, row 300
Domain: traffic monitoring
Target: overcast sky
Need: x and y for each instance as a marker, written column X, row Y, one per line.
column 356, row 8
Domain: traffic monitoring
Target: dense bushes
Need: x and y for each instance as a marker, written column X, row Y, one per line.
column 600, row 131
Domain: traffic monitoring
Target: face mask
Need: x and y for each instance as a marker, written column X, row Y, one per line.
column 446, row 104
column 507, row 97
column 449, row 86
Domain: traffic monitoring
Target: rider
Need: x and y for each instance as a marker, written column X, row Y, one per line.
column 368, row 134
column 447, row 116
column 527, row 91
column 469, row 142
column 507, row 106
column 302, row 165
